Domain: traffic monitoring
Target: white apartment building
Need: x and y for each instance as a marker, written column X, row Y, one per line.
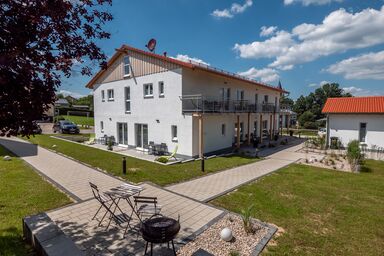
column 142, row 97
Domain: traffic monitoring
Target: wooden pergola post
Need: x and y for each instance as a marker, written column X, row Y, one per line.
column 261, row 128
column 238, row 132
column 201, row 137
column 249, row 137
column 270, row 127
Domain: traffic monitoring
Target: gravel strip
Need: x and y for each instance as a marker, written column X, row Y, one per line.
column 211, row 242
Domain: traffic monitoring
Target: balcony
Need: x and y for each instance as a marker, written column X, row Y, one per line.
column 202, row 104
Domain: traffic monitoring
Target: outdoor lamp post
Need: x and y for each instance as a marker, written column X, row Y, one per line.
column 124, row 165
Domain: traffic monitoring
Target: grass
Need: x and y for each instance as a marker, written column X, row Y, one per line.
column 301, row 132
column 80, row 120
column 22, row 192
column 322, row 212
column 139, row 170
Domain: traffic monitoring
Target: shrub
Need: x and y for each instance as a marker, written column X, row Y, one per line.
column 246, row 217
column 110, row 145
column 354, row 154
column 162, row 159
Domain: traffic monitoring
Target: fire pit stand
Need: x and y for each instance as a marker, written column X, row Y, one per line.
column 159, row 230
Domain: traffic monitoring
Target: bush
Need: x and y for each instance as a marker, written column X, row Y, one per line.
column 307, row 116
column 354, row 154
column 310, row 125
column 162, row 159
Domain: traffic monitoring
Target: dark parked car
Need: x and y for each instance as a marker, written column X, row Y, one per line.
column 36, row 128
column 65, row 126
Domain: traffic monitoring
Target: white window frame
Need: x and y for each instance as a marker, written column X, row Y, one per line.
column 150, row 95
column 223, row 130
column 102, row 95
column 111, row 92
column 126, row 63
column 174, row 133
column 161, row 86
column 101, row 126
column 127, row 99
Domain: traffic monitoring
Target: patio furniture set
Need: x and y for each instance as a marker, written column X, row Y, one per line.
column 154, row 227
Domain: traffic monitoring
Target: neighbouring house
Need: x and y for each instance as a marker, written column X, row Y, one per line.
column 288, row 117
column 356, row 118
column 143, row 97
column 62, row 103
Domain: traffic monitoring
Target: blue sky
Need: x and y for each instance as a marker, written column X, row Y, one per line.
column 304, row 43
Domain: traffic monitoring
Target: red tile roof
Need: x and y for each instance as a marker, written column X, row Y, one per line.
column 190, row 65
column 373, row 104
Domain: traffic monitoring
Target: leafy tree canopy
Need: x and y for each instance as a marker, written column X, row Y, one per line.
column 40, row 41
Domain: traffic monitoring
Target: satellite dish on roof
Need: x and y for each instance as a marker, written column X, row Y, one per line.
column 151, row 45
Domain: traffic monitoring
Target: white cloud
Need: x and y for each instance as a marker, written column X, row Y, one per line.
column 267, row 31
column 230, row 12
column 366, row 66
column 340, row 31
column 318, row 84
column 266, row 75
column 357, row 91
column 186, row 58
column 309, row 2
column 70, row 93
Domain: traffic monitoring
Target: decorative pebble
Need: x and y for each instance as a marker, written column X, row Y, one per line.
column 7, row 158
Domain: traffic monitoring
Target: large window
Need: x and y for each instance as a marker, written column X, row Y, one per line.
column 127, row 94
column 102, row 95
column 174, row 133
column 256, row 98
column 240, row 95
column 101, row 126
column 148, row 90
column 111, row 95
column 266, row 98
column 127, row 66
column 363, row 132
column 161, row 89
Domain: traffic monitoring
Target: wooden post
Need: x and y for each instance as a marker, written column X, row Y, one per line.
column 201, row 137
column 274, row 125
column 261, row 128
column 270, row 127
column 249, row 137
column 288, row 122
column 238, row 132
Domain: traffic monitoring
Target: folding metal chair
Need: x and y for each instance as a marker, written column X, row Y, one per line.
column 104, row 201
column 146, row 206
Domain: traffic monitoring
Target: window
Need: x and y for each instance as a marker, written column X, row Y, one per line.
column 265, row 124
column 266, row 98
column 127, row 66
column 174, row 133
column 256, row 98
column 240, row 95
column 148, row 90
column 255, row 128
column 363, row 132
column 223, row 130
column 161, row 89
column 102, row 95
column 127, row 94
column 101, row 126
column 111, row 95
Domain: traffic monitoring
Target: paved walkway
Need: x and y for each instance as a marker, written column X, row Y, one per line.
column 209, row 187
column 75, row 220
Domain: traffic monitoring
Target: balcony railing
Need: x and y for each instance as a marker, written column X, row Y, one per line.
column 201, row 104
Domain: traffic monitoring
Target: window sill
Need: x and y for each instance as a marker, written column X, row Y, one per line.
column 111, row 99
column 175, row 140
column 148, row 96
column 127, row 112
column 127, row 76
column 161, row 96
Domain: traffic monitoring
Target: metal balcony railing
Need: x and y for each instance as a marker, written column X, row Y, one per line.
column 201, row 104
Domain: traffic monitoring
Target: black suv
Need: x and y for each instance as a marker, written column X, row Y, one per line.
column 65, row 126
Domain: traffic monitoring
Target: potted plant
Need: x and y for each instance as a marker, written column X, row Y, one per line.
column 110, row 144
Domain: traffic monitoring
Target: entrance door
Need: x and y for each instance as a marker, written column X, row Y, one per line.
column 141, row 136
column 122, row 133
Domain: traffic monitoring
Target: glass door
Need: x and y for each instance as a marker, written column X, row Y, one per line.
column 122, row 133
column 141, row 135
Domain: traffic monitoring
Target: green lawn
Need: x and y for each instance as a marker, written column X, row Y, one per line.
column 139, row 170
column 80, row 120
column 322, row 212
column 22, row 192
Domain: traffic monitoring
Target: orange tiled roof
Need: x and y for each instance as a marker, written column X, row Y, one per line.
column 373, row 104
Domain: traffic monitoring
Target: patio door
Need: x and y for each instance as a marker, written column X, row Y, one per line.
column 122, row 134
column 141, row 136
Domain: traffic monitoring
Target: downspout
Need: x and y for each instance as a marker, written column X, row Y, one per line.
column 327, row 135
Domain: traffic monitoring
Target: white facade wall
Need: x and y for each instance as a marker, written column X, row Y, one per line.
column 159, row 113
column 346, row 128
column 209, row 85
